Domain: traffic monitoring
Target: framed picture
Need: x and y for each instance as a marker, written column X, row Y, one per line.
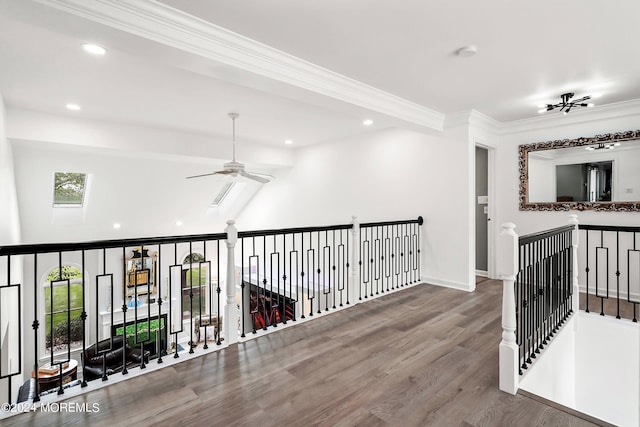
column 140, row 277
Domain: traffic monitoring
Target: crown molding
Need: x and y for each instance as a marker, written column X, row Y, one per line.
column 472, row 118
column 484, row 122
column 548, row 121
column 454, row 120
column 156, row 21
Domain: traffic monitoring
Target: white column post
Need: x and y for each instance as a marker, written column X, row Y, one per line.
column 230, row 323
column 355, row 267
column 508, row 270
column 575, row 303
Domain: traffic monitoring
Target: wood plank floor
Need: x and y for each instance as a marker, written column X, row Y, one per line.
column 610, row 306
column 425, row 356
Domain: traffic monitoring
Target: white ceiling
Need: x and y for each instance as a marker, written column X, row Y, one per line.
column 527, row 51
column 527, row 54
column 306, row 71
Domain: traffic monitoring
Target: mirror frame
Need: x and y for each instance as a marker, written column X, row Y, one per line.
column 525, row 149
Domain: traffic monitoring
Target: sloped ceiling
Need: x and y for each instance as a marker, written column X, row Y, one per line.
column 308, row 72
column 156, row 73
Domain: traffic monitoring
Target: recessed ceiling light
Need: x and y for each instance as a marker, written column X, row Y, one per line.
column 94, row 49
column 73, row 107
column 542, row 110
column 589, row 105
column 288, row 141
column 116, row 225
column 367, row 122
column 178, row 223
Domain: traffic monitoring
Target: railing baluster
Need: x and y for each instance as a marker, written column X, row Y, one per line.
column 389, row 252
column 83, row 316
column 35, row 325
column 587, row 272
column 159, row 348
column 617, row 275
column 542, row 293
column 635, row 304
column 613, row 242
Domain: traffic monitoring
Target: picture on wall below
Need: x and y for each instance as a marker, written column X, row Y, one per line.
column 140, row 278
column 147, row 334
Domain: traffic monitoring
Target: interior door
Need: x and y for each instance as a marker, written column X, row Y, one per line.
column 482, row 210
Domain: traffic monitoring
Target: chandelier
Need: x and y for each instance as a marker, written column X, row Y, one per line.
column 565, row 105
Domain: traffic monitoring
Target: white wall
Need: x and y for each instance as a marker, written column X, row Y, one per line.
column 542, row 189
column 9, row 234
column 9, row 219
column 627, row 175
column 392, row 174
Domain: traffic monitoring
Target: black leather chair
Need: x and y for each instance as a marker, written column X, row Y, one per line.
column 96, row 360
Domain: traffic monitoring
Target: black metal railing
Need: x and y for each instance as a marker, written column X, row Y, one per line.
column 111, row 305
column 543, row 289
column 129, row 297
column 389, row 255
column 611, row 274
column 292, row 272
column 11, row 323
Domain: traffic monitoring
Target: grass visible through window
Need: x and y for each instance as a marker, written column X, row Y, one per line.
column 62, row 314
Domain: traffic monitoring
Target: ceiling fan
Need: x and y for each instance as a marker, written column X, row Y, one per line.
column 234, row 168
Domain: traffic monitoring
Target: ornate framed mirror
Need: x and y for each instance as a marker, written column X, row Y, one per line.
column 600, row 173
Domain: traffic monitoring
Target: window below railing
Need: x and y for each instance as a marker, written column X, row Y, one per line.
column 95, row 309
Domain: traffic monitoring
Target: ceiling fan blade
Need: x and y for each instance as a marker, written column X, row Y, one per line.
column 210, row 174
column 199, row 176
column 254, row 177
column 266, row 175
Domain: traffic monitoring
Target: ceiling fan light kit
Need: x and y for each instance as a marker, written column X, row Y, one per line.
column 234, row 168
column 565, row 105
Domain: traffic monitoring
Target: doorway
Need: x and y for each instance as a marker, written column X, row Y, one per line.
column 482, row 211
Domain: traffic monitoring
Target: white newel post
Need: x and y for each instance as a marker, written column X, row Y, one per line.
column 508, row 270
column 575, row 302
column 353, row 263
column 230, row 324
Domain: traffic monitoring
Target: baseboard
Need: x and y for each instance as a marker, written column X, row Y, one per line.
column 447, row 283
column 612, row 292
column 482, row 273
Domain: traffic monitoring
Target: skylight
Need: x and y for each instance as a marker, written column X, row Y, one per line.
column 69, row 189
column 226, row 188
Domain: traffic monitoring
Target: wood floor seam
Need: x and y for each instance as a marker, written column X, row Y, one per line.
column 422, row 356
